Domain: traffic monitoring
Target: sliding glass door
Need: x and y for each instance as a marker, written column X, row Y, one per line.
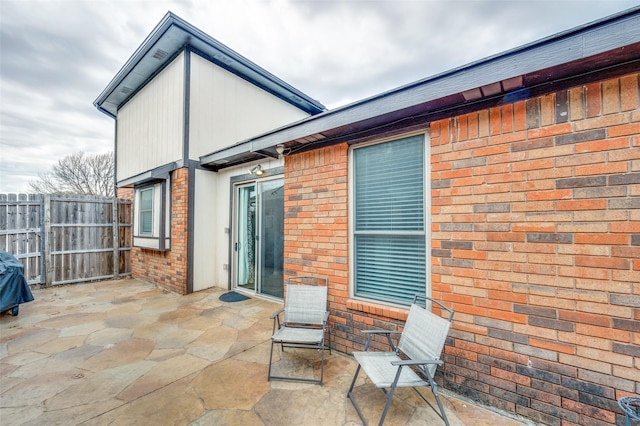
column 259, row 237
column 245, row 244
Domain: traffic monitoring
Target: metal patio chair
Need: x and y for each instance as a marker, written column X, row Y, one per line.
column 305, row 321
column 412, row 363
column 630, row 406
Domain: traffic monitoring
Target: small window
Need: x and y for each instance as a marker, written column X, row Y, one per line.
column 146, row 211
column 151, row 225
column 389, row 221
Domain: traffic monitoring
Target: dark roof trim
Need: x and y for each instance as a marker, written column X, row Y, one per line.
column 159, row 173
column 169, row 38
column 502, row 72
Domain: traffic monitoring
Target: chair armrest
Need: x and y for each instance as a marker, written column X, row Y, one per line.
column 277, row 313
column 276, row 320
column 380, row 332
column 417, row 362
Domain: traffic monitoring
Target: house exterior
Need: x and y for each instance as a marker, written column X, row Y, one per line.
column 509, row 189
column 181, row 95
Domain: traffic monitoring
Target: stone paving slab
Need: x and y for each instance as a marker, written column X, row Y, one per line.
column 126, row 352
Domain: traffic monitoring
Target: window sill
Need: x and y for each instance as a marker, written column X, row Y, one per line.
column 151, row 243
column 381, row 310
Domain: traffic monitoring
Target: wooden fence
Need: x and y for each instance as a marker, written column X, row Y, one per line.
column 63, row 239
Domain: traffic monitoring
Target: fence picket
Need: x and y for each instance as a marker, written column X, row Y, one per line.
column 67, row 239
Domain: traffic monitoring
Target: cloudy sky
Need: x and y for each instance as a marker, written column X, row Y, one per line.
column 56, row 56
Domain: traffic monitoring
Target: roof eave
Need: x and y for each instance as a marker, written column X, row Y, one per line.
column 184, row 35
column 504, row 72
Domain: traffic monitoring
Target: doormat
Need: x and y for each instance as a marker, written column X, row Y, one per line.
column 232, row 296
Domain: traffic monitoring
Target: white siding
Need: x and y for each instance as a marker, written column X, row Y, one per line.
column 225, row 109
column 150, row 126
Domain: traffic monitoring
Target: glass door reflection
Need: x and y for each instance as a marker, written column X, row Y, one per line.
column 246, row 238
column 259, row 237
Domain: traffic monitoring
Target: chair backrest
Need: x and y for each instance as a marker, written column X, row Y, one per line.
column 424, row 335
column 305, row 304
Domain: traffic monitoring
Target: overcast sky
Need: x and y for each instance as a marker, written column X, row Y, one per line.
column 57, row 56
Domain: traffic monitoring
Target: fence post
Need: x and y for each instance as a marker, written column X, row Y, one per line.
column 48, row 268
column 43, row 242
column 116, row 239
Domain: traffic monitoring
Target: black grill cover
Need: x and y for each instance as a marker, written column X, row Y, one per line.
column 13, row 287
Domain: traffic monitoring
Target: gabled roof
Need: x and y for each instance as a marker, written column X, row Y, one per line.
column 168, row 39
column 593, row 51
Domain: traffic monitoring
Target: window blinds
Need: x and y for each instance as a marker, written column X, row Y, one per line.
column 389, row 234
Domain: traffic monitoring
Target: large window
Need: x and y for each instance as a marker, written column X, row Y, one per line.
column 389, row 225
column 151, row 225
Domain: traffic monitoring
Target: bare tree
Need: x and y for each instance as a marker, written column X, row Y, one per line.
column 79, row 173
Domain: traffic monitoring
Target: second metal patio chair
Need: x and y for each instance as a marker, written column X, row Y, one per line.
column 305, row 321
column 412, row 363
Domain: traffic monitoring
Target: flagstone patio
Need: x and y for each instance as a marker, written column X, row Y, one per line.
column 126, row 352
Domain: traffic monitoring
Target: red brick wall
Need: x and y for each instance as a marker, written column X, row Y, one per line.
column 535, row 245
column 167, row 269
column 316, row 224
column 125, row 194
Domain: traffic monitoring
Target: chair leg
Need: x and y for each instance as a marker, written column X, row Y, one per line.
column 293, row 378
column 351, row 397
column 353, row 382
column 444, row 415
column 434, row 389
column 322, row 365
column 387, row 405
column 392, row 390
column 270, row 362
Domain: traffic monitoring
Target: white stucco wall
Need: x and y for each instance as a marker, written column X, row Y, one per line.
column 207, row 226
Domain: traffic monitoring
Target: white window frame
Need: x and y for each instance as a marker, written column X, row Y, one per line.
column 427, row 214
column 159, row 237
column 142, row 211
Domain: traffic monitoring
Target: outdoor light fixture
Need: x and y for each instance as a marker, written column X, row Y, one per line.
column 256, row 170
column 280, row 149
